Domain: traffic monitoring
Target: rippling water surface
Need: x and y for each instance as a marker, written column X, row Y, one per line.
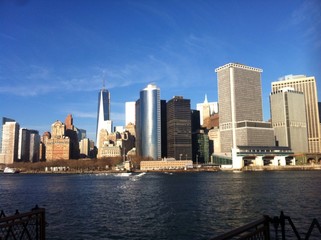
column 159, row 205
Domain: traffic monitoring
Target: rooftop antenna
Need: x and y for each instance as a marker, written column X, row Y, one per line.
column 103, row 83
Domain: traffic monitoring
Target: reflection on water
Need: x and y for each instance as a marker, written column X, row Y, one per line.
column 161, row 206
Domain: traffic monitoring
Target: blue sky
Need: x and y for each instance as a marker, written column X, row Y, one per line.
column 55, row 54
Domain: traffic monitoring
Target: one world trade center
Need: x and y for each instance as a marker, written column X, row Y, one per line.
column 103, row 113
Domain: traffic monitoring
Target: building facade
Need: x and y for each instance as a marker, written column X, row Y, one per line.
column 241, row 115
column 9, row 143
column 103, row 113
column 29, row 145
column 3, row 121
column 307, row 85
column 179, row 129
column 130, row 113
column 58, row 145
column 206, row 109
column 288, row 116
column 148, row 122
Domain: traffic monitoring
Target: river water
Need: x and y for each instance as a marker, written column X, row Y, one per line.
column 159, row 205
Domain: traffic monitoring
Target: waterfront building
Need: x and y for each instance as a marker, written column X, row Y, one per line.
column 214, row 140
column 307, row 85
column 163, row 129
column 3, row 121
column 148, row 122
column 34, row 153
column 195, row 120
column 206, row 109
column 130, row 113
column 84, row 147
column 166, row 165
column 240, row 102
column 110, row 150
column 58, row 145
column 44, row 138
column 179, row 129
column 24, row 145
column 201, row 147
column 103, row 113
column 9, row 141
column 115, row 144
column 288, row 116
column 29, row 145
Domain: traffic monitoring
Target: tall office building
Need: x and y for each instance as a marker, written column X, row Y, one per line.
column 289, row 119
column 206, row 109
column 10, row 138
column 34, row 154
column 130, row 113
column 24, row 144
column 103, row 113
column 3, row 121
column 163, row 128
column 179, row 129
column 307, row 85
column 240, row 102
column 148, row 122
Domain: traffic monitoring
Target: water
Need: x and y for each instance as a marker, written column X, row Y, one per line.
column 159, row 205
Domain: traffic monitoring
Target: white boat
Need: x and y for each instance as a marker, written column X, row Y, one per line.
column 10, row 170
column 124, row 174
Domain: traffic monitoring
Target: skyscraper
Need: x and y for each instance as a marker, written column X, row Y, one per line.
column 307, row 85
column 148, row 122
column 240, row 102
column 206, row 109
column 3, row 121
column 289, row 119
column 103, row 113
column 10, row 138
column 179, row 129
column 130, row 113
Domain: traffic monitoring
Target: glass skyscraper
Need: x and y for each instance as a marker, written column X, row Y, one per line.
column 103, row 113
column 148, row 121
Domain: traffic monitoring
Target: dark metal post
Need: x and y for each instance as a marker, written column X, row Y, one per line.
column 282, row 223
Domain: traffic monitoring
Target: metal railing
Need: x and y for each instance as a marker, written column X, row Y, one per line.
column 28, row 225
column 261, row 229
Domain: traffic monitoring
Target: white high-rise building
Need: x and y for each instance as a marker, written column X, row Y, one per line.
column 206, row 109
column 10, row 137
column 130, row 113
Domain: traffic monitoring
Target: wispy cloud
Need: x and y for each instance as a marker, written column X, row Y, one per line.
column 7, row 36
column 308, row 17
column 80, row 114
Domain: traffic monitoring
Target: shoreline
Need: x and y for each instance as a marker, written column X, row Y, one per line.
column 315, row 167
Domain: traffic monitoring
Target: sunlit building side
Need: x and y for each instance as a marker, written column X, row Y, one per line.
column 103, row 113
column 307, row 85
column 9, row 142
column 148, row 122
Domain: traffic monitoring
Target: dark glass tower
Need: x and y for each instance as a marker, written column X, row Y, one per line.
column 179, row 136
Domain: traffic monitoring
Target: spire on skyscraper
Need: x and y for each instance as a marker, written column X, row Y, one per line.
column 205, row 100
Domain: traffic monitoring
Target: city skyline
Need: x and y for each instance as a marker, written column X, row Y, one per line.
column 56, row 55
